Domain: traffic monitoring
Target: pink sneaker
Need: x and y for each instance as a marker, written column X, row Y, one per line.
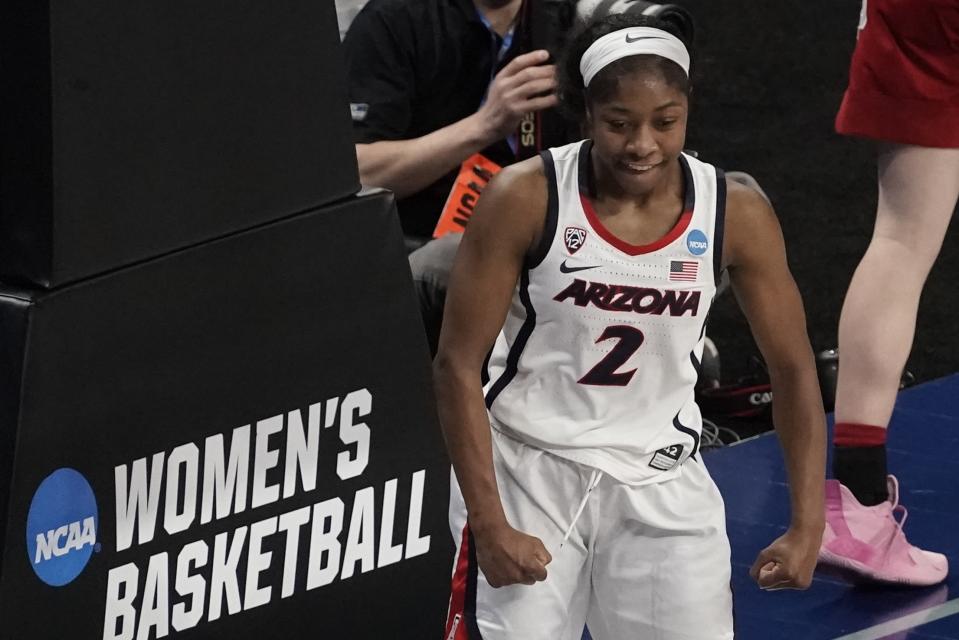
column 870, row 542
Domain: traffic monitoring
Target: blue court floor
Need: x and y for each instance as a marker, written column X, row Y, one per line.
column 923, row 451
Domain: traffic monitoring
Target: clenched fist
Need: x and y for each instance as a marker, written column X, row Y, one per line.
column 508, row 556
column 788, row 563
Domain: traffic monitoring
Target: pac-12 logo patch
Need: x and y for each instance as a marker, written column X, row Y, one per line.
column 62, row 527
column 574, row 238
column 697, row 242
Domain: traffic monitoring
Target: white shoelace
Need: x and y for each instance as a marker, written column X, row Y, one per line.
column 594, row 479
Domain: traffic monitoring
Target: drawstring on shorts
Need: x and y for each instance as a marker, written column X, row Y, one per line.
column 594, row 479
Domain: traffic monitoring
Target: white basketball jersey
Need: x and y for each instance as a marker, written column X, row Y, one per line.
column 601, row 348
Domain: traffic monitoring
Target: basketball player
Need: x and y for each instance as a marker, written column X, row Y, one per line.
column 904, row 92
column 582, row 495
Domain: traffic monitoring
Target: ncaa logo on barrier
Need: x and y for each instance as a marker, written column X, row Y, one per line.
column 697, row 242
column 62, row 527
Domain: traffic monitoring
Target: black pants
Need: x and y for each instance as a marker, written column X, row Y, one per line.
column 431, row 265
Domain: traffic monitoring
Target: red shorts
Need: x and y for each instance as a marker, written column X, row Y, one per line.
column 904, row 77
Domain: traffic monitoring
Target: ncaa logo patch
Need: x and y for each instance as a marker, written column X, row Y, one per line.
column 697, row 242
column 574, row 239
column 62, row 527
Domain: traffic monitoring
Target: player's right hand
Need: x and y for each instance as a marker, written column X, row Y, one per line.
column 525, row 84
column 508, row 556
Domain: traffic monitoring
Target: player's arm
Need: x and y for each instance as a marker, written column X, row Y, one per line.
column 756, row 259
column 505, row 225
column 408, row 166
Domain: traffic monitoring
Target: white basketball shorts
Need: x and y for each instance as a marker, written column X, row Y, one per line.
column 641, row 562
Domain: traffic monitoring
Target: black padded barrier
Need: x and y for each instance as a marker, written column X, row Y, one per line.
column 132, row 128
column 293, row 350
column 14, row 312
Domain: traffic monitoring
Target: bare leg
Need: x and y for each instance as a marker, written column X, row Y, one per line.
column 918, row 188
column 917, row 195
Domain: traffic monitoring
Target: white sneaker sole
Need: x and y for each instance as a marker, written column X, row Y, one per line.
column 862, row 571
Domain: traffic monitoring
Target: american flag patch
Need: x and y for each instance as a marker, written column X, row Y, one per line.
column 683, row 270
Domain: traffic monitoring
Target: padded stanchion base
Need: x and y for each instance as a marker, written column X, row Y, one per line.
column 234, row 441
column 134, row 128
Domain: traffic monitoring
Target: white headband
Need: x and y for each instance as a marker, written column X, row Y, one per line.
column 632, row 42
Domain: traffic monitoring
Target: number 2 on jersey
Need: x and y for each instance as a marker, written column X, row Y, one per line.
column 604, row 372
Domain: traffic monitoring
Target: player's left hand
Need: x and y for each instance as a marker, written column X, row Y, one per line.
column 788, row 563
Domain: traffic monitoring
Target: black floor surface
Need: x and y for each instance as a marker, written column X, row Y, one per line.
column 768, row 79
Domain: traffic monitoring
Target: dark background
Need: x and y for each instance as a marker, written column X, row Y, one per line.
column 768, row 80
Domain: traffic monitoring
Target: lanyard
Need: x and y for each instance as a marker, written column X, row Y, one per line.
column 504, row 46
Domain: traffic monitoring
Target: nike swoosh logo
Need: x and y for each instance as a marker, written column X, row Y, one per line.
column 638, row 38
column 566, row 269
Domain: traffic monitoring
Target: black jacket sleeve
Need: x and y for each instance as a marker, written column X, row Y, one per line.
column 380, row 61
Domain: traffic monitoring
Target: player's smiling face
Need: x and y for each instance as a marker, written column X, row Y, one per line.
column 639, row 132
